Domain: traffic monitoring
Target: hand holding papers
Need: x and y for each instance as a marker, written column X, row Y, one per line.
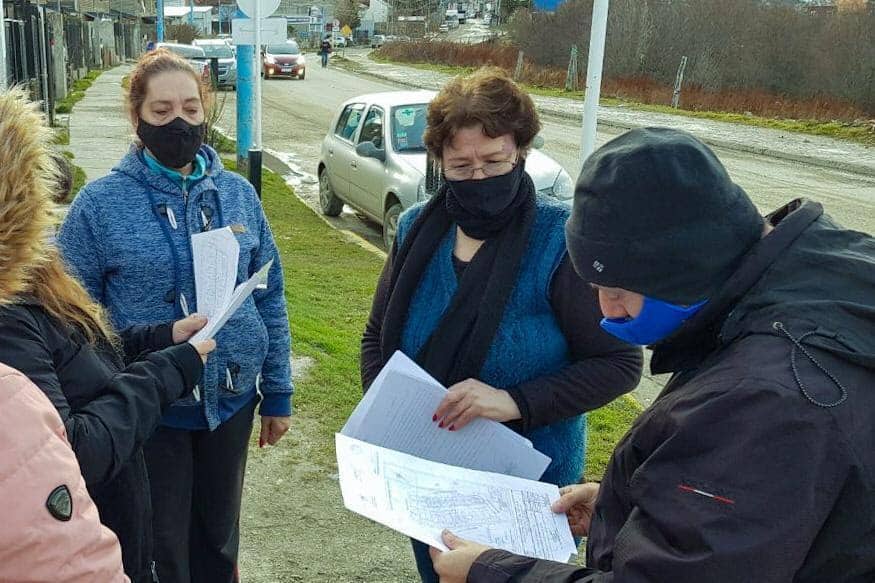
column 396, row 413
column 216, row 254
column 398, row 468
column 420, row 498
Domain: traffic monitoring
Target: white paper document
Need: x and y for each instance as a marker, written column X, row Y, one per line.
column 243, row 291
column 420, row 498
column 215, row 255
column 396, row 413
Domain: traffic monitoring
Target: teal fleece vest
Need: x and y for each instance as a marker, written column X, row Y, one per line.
column 529, row 343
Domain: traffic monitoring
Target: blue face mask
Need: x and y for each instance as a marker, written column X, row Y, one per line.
column 658, row 320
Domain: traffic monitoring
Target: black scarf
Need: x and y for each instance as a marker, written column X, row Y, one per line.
column 460, row 344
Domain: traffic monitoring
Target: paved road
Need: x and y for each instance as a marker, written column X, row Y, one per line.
column 297, row 115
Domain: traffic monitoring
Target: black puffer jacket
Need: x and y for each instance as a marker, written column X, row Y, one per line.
column 757, row 462
column 109, row 409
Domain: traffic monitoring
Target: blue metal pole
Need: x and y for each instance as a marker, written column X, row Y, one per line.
column 246, row 73
column 159, row 19
column 191, row 12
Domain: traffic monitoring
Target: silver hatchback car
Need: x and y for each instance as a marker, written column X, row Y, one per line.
column 374, row 159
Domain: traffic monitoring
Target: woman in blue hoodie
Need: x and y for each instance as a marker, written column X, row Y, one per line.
column 128, row 238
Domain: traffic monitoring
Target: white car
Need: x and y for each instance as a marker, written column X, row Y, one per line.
column 220, row 49
column 374, row 159
column 338, row 41
column 194, row 55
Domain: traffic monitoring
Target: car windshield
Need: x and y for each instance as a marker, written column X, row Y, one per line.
column 219, row 51
column 187, row 51
column 283, row 49
column 408, row 127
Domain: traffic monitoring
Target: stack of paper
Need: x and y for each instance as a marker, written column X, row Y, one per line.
column 420, row 498
column 399, row 468
column 216, row 254
column 396, row 413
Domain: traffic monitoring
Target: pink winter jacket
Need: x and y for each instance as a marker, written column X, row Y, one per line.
column 49, row 527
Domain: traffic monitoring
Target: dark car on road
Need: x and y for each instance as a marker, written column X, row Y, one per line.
column 284, row 60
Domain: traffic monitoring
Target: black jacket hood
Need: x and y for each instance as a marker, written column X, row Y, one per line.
column 809, row 277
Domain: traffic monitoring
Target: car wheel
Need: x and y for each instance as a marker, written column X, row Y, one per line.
column 329, row 204
column 390, row 224
column 301, row 76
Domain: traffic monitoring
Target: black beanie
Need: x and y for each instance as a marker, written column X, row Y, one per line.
column 656, row 213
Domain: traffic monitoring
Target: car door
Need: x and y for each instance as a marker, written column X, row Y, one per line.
column 340, row 149
column 367, row 176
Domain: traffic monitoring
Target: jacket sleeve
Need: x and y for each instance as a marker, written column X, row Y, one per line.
column 276, row 377
column 497, row 566
column 106, row 431
column 371, row 361
column 81, row 247
column 34, row 545
column 736, row 485
column 721, row 499
column 602, row 367
column 139, row 340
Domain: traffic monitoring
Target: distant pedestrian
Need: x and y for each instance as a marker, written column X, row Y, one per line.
column 128, row 236
column 324, row 51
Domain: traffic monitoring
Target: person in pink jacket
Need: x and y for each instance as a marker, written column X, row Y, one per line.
column 51, row 530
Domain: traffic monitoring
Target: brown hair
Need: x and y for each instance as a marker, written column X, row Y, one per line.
column 29, row 266
column 488, row 97
column 154, row 63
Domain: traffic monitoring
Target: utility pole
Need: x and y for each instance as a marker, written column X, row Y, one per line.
column 159, row 20
column 191, row 12
column 593, row 77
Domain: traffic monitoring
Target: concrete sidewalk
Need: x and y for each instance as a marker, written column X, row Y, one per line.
column 100, row 132
column 796, row 147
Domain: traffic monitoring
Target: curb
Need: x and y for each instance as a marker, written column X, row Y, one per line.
column 851, row 167
column 277, row 166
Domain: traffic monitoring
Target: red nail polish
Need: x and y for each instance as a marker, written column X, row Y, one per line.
column 452, row 427
column 433, row 418
column 441, row 424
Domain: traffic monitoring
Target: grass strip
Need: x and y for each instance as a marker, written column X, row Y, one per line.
column 77, row 92
column 329, row 286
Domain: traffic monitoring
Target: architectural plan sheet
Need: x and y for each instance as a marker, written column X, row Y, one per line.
column 396, row 413
column 215, row 255
column 420, row 498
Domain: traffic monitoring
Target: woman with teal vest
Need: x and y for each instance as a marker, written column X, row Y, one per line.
column 479, row 290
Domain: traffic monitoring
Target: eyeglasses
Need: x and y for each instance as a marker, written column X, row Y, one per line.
column 490, row 169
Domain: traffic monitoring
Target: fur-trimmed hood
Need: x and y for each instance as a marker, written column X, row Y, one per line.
column 28, row 176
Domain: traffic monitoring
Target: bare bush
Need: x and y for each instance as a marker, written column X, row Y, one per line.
column 742, row 48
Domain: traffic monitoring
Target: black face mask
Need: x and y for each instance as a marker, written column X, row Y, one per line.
column 482, row 208
column 174, row 144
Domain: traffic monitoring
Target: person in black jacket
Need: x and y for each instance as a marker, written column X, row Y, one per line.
column 110, row 389
column 757, row 461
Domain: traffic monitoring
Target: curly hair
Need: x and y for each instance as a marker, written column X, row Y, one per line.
column 488, row 97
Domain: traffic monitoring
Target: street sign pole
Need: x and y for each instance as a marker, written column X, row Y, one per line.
column 255, row 152
column 245, row 92
column 593, row 77
column 159, row 20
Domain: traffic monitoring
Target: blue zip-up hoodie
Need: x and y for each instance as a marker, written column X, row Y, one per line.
column 128, row 238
